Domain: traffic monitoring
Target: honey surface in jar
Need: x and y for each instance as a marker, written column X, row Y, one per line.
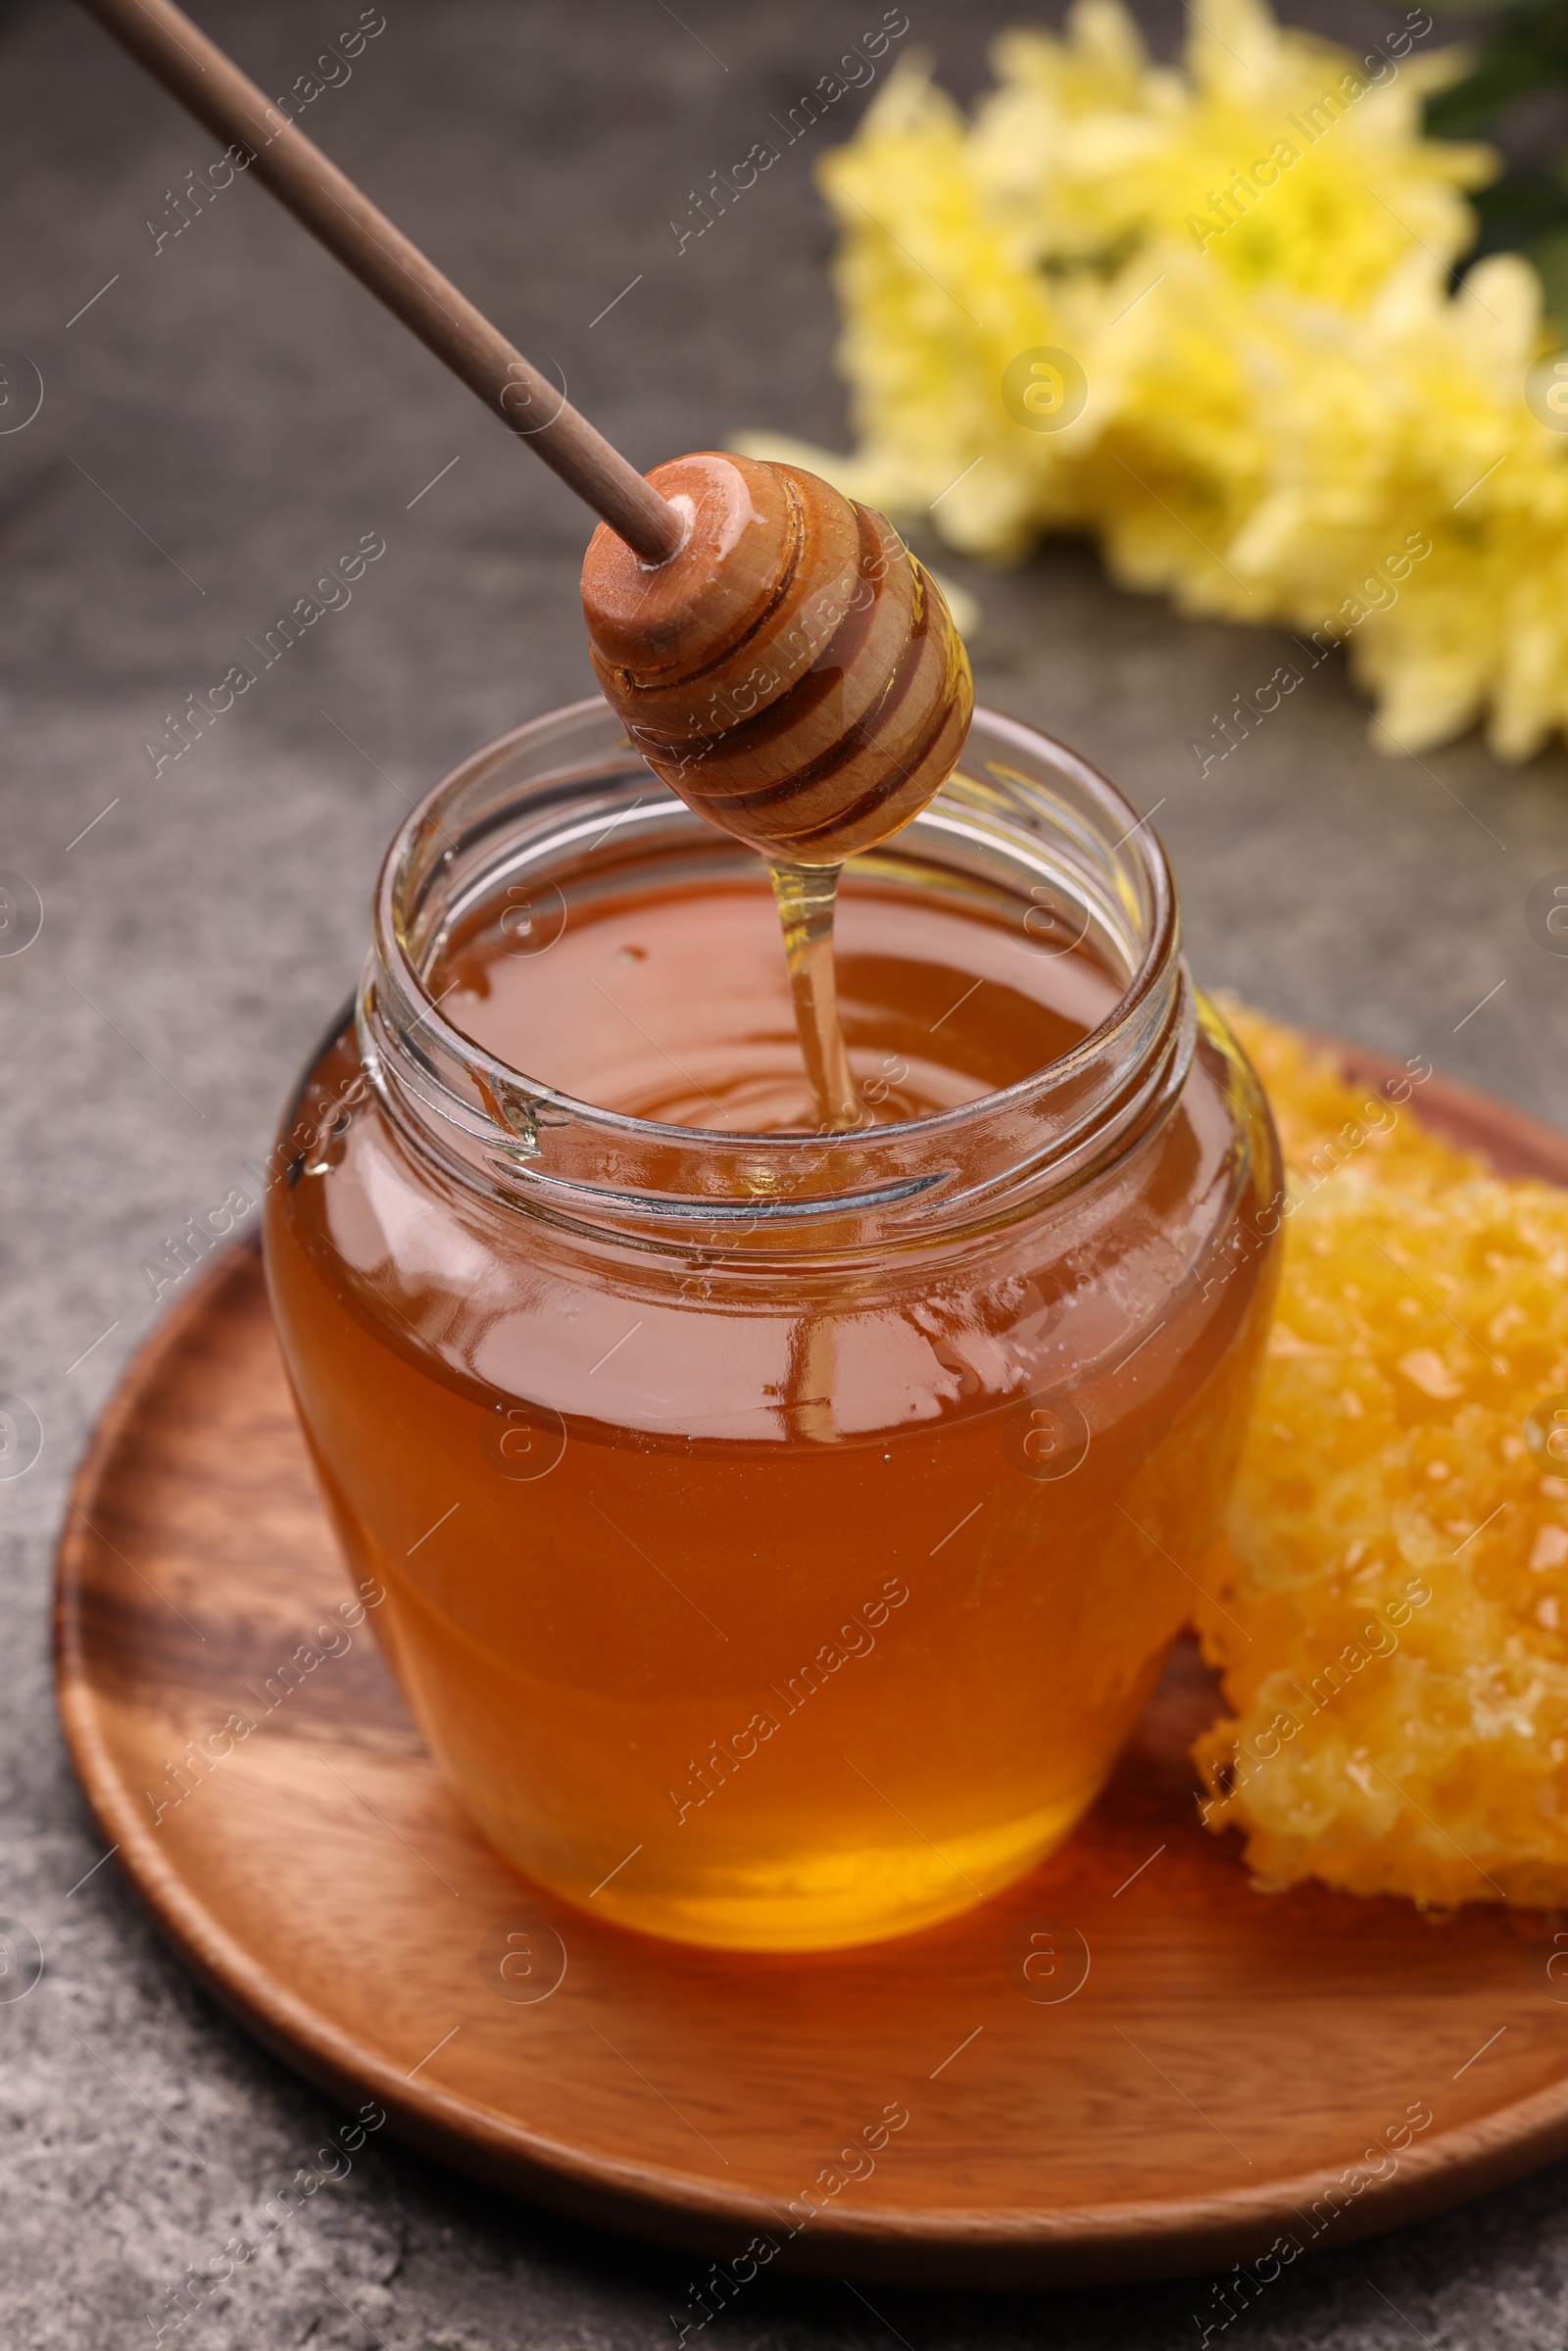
column 776, row 1605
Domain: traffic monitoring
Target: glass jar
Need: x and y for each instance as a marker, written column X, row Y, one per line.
column 781, row 1531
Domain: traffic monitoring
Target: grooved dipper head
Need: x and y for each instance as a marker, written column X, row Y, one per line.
column 791, row 670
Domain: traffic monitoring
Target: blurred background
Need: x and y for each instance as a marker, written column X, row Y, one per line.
column 223, row 415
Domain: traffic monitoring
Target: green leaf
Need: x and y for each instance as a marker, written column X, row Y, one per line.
column 1524, row 50
column 1550, row 257
column 1519, row 210
column 1511, row 64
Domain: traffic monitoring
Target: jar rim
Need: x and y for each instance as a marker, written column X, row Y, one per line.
column 396, row 1002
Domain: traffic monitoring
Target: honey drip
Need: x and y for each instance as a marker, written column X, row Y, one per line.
column 806, row 896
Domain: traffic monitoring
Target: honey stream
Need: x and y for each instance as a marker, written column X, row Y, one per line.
column 805, row 896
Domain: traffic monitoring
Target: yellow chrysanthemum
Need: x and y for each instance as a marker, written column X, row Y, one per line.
column 1290, row 417
column 1095, row 150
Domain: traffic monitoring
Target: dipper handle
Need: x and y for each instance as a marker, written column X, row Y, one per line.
column 161, row 37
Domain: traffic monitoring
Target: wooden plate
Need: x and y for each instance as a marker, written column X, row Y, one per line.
column 1130, row 2066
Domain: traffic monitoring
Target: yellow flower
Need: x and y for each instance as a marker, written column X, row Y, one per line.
column 1287, row 414
column 938, row 296
column 1265, row 152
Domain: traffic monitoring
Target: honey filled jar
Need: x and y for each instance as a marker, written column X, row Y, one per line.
column 781, row 1529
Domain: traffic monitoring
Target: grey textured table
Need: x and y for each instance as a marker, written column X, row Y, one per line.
column 226, row 415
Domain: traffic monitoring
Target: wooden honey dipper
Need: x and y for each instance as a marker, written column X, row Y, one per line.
column 790, row 671
column 796, row 676
column 777, row 655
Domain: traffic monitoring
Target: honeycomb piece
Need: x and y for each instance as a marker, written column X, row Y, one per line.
column 1390, row 1603
column 1327, row 1125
